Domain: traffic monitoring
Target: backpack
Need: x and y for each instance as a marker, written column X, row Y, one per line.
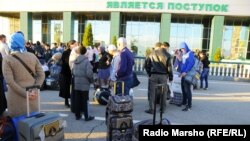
column 198, row 65
column 193, row 75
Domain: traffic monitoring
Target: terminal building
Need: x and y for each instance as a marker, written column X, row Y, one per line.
column 210, row 25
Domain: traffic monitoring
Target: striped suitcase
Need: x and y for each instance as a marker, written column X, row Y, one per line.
column 177, row 99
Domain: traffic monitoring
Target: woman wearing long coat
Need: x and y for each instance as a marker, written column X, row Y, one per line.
column 18, row 77
column 65, row 77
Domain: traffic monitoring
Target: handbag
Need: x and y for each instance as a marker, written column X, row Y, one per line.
column 136, row 81
column 192, row 77
column 27, row 68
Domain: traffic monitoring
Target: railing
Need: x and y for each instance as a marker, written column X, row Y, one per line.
column 224, row 69
column 230, row 69
column 139, row 65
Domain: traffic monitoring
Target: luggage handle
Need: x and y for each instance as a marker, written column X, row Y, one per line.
column 161, row 103
column 27, row 98
column 115, row 83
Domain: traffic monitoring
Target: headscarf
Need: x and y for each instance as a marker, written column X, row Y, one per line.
column 17, row 42
column 186, row 55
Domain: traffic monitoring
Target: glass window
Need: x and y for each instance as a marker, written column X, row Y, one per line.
column 56, row 31
column 37, row 30
column 194, row 31
column 141, row 31
column 100, row 26
column 47, row 27
column 9, row 23
column 235, row 39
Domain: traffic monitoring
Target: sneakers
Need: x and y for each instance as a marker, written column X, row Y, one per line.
column 187, row 108
column 205, row 88
column 89, row 118
column 149, row 111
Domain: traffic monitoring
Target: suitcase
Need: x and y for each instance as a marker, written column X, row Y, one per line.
column 102, row 95
column 176, row 87
column 120, row 103
column 42, row 126
column 120, row 128
column 52, row 83
column 118, row 117
column 163, row 121
column 177, row 99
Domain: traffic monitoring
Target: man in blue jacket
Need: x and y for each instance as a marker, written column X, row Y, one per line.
column 188, row 61
column 125, row 70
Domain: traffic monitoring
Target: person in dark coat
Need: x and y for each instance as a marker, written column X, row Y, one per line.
column 65, row 77
column 39, row 51
column 3, row 102
column 104, row 66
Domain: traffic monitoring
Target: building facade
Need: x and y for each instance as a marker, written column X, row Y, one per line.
column 214, row 26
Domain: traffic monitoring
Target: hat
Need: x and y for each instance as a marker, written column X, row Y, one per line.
column 111, row 47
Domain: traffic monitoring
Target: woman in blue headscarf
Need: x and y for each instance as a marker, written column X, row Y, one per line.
column 188, row 61
column 18, row 77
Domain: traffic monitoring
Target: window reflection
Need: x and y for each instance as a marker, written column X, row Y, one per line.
column 47, row 27
column 195, row 31
column 235, row 39
column 141, row 31
column 100, row 26
column 9, row 23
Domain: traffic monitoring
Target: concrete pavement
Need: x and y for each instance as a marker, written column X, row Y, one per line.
column 223, row 103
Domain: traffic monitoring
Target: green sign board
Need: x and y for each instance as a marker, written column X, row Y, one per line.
column 170, row 6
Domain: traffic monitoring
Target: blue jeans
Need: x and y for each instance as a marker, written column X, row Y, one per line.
column 204, row 75
column 187, row 93
column 127, row 85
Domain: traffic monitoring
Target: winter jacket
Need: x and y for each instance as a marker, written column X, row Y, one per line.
column 105, row 56
column 205, row 62
column 188, row 59
column 114, row 66
column 159, row 62
column 125, row 70
column 83, row 73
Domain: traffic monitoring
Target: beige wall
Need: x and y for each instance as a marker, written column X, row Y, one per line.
column 235, row 7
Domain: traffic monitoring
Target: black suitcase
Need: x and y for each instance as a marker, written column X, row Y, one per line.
column 102, row 95
column 52, row 84
column 163, row 121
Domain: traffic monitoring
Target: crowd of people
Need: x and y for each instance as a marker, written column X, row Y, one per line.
column 79, row 64
column 160, row 65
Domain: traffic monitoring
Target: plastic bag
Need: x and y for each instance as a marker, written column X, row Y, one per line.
column 170, row 89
